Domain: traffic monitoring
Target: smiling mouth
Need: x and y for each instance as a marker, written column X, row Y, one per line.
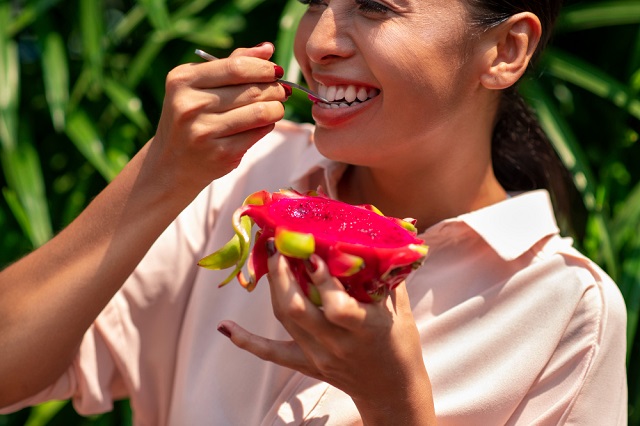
column 345, row 96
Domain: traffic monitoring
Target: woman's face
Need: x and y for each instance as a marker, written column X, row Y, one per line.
column 409, row 65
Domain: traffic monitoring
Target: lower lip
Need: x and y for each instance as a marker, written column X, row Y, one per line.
column 335, row 116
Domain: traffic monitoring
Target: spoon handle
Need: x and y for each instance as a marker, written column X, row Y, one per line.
column 312, row 96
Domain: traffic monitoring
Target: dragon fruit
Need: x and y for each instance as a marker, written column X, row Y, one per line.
column 367, row 251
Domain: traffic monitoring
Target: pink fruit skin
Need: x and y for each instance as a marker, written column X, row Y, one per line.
column 388, row 250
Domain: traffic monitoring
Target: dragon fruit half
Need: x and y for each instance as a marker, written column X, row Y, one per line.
column 367, row 251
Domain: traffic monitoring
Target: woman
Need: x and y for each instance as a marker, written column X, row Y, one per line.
column 504, row 324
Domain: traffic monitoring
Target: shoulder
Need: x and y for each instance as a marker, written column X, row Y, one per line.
column 592, row 346
column 571, row 272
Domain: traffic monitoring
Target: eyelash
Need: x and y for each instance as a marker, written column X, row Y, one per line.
column 366, row 6
column 370, row 6
column 310, row 2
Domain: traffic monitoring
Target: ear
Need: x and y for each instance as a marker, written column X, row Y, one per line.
column 508, row 50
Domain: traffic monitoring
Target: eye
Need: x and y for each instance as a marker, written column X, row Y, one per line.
column 311, row 3
column 370, row 6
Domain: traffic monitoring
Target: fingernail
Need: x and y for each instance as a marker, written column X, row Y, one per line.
column 310, row 265
column 271, row 247
column 287, row 90
column 279, row 71
column 265, row 43
column 224, row 330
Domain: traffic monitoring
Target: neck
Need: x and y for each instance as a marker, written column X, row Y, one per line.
column 427, row 196
column 444, row 172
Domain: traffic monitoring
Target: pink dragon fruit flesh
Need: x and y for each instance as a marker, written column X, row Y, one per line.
column 367, row 251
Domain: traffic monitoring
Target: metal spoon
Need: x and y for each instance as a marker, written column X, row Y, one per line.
column 312, row 95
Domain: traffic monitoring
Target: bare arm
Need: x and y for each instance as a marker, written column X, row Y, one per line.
column 213, row 113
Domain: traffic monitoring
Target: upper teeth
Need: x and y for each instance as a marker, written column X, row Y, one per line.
column 346, row 95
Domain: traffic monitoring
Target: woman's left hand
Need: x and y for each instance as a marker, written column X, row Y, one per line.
column 371, row 351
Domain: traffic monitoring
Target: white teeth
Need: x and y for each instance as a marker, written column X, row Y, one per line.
column 344, row 96
column 322, row 91
column 331, row 93
column 350, row 94
column 362, row 94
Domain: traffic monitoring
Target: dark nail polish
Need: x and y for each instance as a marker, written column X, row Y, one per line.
column 224, row 330
column 265, row 43
column 279, row 71
column 271, row 248
column 287, row 90
column 310, row 265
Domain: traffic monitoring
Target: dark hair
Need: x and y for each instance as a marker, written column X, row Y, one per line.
column 523, row 157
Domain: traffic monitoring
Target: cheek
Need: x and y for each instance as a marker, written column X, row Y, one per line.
column 424, row 67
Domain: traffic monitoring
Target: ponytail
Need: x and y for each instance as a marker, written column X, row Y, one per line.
column 524, row 159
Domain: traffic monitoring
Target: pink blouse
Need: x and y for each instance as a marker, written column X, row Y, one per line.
column 517, row 327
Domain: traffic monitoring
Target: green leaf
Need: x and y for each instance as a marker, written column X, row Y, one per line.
column 86, row 138
column 9, row 84
column 291, row 15
column 29, row 13
column 158, row 13
column 630, row 287
column 190, row 9
column 127, row 103
column 56, row 77
column 576, row 71
column 17, row 210
column 42, row 414
column 563, row 140
column 144, row 59
column 92, row 30
column 587, row 15
column 626, row 220
column 126, row 24
column 573, row 157
column 22, row 170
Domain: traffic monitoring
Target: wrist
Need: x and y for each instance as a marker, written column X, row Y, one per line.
column 410, row 405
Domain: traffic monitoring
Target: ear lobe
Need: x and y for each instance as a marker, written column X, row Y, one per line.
column 512, row 44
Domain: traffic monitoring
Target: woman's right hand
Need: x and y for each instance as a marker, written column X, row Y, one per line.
column 213, row 113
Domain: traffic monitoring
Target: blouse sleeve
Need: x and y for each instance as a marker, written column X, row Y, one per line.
column 584, row 383
column 137, row 332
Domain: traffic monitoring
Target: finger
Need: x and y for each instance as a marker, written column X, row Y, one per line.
column 398, row 300
column 290, row 304
column 230, row 97
column 231, row 71
column 284, row 353
column 338, row 306
column 231, row 149
column 238, row 120
column 263, row 50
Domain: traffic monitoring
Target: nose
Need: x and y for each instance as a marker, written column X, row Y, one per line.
column 329, row 38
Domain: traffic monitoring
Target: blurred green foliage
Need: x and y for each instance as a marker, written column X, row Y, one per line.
column 81, row 89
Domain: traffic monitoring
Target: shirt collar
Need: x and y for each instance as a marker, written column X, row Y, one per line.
column 513, row 226
column 510, row 227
